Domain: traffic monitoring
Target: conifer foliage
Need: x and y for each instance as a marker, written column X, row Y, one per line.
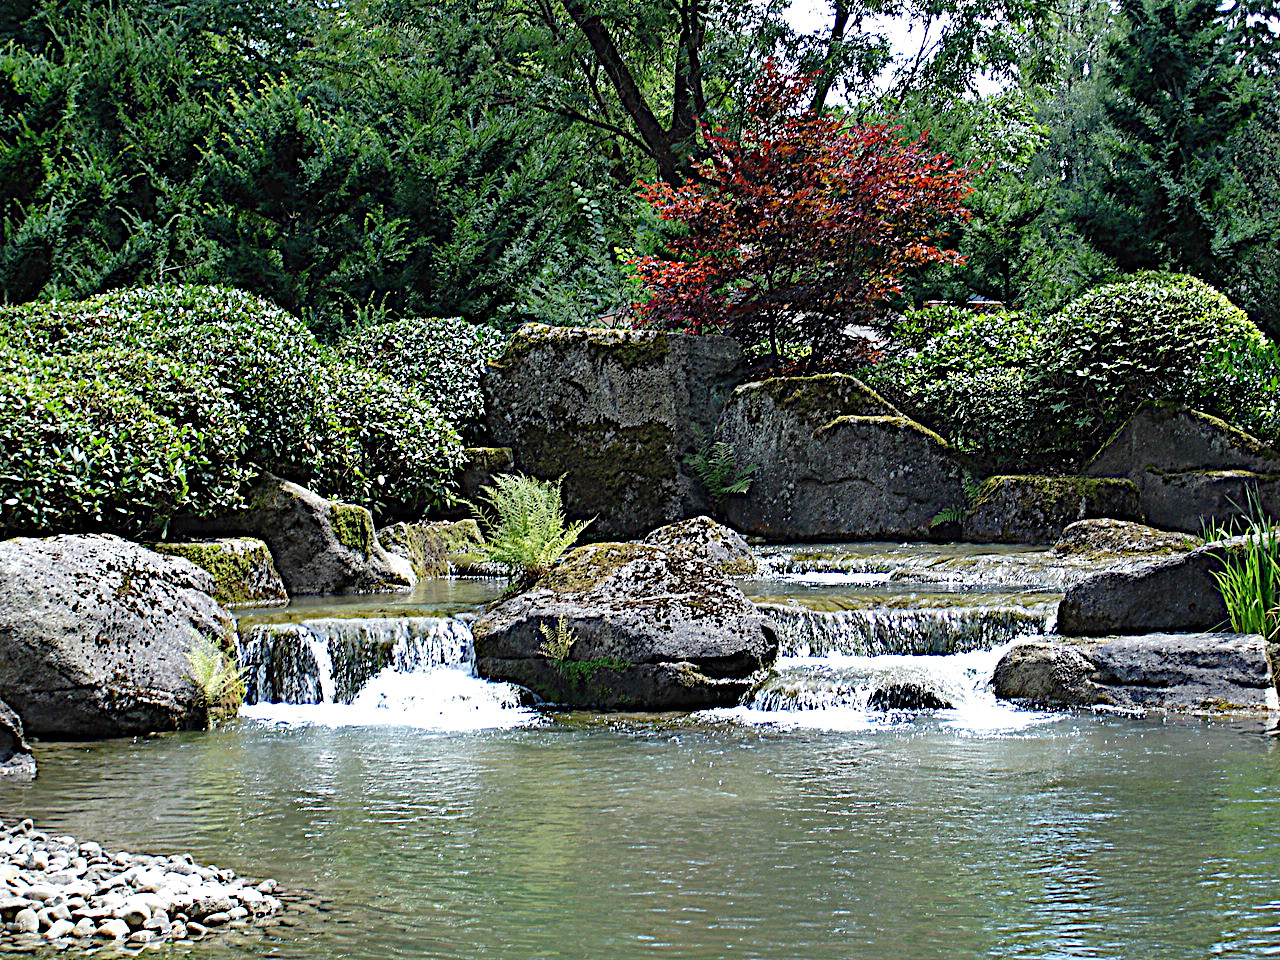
column 799, row 226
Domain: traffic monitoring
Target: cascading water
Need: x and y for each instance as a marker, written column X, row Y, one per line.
column 803, row 632
column 404, row 671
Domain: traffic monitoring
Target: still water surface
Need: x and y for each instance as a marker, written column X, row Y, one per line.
column 709, row 838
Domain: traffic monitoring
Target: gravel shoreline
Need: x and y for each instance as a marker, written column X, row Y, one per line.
column 60, row 890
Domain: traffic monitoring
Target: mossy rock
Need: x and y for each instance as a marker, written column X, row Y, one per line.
column 319, row 545
column 432, row 549
column 649, row 628
column 1103, row 538
column 1036, row 509
column 834, row 461
column 616, row 413
column 242, row 568
column 717, row 544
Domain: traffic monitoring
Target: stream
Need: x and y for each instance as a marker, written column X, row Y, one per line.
column 428, row 813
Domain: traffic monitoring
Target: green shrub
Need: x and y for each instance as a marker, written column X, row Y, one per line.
column 441, row 359
column 84, row 455
column 266, row 361
column 186, row 395
column 1120, row 344
column 245, row 386
column 405, row 453
column 218, row 679
column 963, row 373
column 526, row 532
column 1240, row 382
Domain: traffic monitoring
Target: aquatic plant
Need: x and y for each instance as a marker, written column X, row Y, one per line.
column 218, row 678
column 525, row 529
column 1250, row 576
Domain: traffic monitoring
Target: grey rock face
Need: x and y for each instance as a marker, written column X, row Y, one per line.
column 1187, row 672
column 428, row 548
column 94, row 636
column 835, row 462
column 650, row 629
column 1031, row 509
column 1192, row 469
column 16, row 762
column 615, row 412
column 242, row 568
column 1110, row 537
column 713, row 542
column 319, row 545
column 1175, row 594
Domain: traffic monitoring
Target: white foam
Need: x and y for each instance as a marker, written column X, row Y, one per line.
column 445, row 698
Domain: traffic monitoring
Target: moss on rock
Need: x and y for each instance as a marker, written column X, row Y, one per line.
column 242, row 568
column 1036, row 509
column 822, row 398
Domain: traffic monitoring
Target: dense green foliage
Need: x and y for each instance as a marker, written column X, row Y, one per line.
column 1011, row 387
column 1122, row 343
column 165, row 400
column 439, row 359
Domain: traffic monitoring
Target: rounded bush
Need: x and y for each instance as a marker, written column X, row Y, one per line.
column 963, row 373
column 265, row 360
column 405, row 454
column 440, row 359
column 1120, row 344
column 85, row 455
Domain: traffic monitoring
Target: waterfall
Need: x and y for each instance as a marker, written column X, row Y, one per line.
column 329, row 660
column 917, row 631
column 405, row 671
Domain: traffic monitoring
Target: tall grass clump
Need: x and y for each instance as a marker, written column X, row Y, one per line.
column 1250, row 577
column 218, row 678
column 524, row 527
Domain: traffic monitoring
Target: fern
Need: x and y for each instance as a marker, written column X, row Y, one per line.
column 557, row 643
column 947, row 515
column 716, row 465
column 217, row 677
column 525, row 529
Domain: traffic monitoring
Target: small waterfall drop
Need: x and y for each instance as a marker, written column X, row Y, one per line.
column 916, row 631
column 403, row 671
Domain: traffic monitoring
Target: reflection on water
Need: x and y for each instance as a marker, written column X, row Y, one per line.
column 1076, row 837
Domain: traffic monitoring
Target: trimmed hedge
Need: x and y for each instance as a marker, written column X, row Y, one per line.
column 1144, row 338
column 1013, row 388
column 196, row 388
column 441, row 358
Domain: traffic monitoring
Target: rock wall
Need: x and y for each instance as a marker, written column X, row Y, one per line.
column 616, row 412
column 1193, row 470
column 835, row 462
column 1033, row 509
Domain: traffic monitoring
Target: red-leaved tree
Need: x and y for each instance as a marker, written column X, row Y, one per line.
column 799, row 227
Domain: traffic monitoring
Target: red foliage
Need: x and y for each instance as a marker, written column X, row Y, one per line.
column 801, row 226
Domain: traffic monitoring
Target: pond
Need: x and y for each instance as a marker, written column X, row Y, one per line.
column 427, row 813
column 587, row 837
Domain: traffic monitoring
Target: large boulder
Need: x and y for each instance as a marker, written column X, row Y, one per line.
column 1191, row 672
column 627, row 626
column 1193, row 470
column 319, row 545
column 1175, row 594
column 1036, row 509
column 835, row 461
column 430, row 549
column 1109, row 538
column 713, row 542
column 95, row 633
column 616, row 412
column 16, row 762
column 242, row 568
